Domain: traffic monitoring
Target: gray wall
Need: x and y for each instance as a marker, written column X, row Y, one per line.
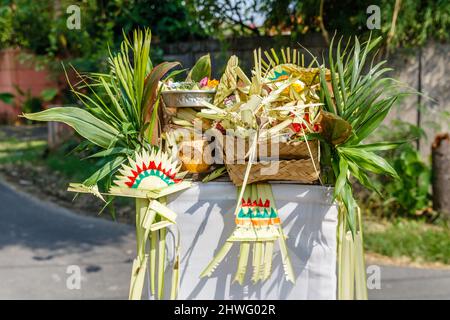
column 433, row 72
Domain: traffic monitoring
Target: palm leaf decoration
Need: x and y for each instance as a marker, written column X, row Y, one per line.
column 120, row 117
column 354, row 105
column 120, row 107
column 259, row 226
column 292, row 61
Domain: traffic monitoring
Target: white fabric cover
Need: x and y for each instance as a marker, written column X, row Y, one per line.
column 205, row 220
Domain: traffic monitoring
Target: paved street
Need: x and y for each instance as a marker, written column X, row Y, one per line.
column 39, row 241
column 412, row 283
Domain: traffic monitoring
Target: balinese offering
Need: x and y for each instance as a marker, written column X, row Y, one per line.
column 197, row 87
column 285, row 120
column 274, row 113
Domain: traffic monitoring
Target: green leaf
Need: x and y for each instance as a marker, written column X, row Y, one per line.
column 329, row 106
column 356, row 68
column 378, row 146
column 107, row 168
column 350, row 205
column 373, row 122
column 6, row 97
column 88, row 126
column 154, row 118
column 173, row 74
column 368, row 161
column 334, row 82
column 362, row 177
column 110, row 152
column 49, row 94
column 214, row 175
column 151, row 86
column 342, row 177
column 201, row 69
column 341, row 75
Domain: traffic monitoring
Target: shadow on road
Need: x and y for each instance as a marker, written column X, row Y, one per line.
column 41, row 225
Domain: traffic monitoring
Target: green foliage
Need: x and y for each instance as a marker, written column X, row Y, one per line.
column 363, row 101
column 49, row 94
column 6, row 97
column 40, row 28
column 7, row 38
column 87, row 125
column 414, row 239
column 120, row 107
column 201, row 69
column 409, row 195
column 69, row 164
column 31, row 153
column 221, row 18
column 416, row 23
column 30, row 103
column 13, row 150
column 169, row 20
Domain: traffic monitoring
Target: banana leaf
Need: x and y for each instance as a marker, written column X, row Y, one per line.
column 201, row 69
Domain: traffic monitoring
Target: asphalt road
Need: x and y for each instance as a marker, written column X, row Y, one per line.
column 44, row 247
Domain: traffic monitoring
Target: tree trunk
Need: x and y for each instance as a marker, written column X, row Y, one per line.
column 440, row 153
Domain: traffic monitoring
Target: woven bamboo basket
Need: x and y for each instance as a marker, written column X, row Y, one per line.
column 237, row 149
column 298, row 161
column 301, row 171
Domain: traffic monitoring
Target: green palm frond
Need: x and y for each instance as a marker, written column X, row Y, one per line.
column 361, row 94
column 119, row 106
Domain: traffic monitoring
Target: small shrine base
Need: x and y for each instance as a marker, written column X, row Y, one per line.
column 205, row 220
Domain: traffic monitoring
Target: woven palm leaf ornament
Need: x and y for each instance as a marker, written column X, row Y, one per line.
column 149, row 177
column 150, row 171
column 257, row 229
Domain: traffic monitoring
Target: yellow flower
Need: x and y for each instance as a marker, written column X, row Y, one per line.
column 212, row 83
column 297, row 86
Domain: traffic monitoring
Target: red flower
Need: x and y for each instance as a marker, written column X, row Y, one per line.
column 220, row 128
column 298, row 126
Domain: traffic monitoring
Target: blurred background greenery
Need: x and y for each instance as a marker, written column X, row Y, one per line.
column 40, row 26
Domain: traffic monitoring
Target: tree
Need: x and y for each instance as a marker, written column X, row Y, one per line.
column 407, row 23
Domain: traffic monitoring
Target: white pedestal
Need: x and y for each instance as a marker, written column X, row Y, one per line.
column 205, row 220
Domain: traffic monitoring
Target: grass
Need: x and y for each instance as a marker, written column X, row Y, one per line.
column 419, row 241
column 14, row 151
column 31, row 158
